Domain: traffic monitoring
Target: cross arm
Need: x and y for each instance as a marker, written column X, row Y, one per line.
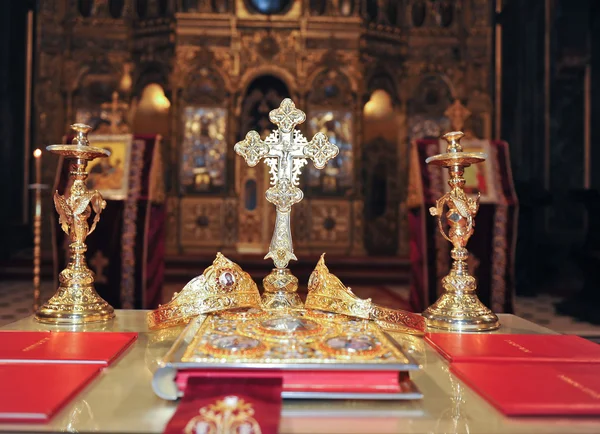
column 252, row 148
column 320, row 150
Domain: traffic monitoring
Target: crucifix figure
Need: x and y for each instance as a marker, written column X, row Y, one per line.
column 285, row 151
column 99, row 262
column 115, row 107
column 457, row 114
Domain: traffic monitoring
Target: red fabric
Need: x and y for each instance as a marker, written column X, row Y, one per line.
column 457, row 347
column 309, row 381
column 535, row 389
column 155, row 260
column 34, row 393
column 63, row 347
column 263, row 395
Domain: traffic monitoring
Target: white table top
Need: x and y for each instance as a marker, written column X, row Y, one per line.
column 122, row 400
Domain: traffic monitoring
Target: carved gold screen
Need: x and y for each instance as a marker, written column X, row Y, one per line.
column 338, row 176
column 203, row 150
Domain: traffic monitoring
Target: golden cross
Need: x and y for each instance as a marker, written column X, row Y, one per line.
column 285, row 151
column 458, row 114
column 115, row 106
column 99, row 262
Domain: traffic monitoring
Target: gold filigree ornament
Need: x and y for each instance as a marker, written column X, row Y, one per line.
column 327, row 293
column 223, row 286
column 228, row 415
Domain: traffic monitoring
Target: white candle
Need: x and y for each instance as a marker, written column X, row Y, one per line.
column 37, row 154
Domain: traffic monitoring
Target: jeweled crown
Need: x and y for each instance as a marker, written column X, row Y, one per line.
column 222, row 286
column 327, row 293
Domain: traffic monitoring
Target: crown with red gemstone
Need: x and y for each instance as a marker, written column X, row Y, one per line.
column 222, row 286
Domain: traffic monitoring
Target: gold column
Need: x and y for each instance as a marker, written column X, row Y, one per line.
column 458, row 308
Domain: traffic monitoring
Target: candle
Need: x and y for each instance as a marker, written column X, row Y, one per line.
column 37, row 228
column 37, row 154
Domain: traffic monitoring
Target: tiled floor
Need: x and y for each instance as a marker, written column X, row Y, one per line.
column 16, row 301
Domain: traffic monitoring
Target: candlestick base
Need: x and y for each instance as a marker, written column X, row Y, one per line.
column 459, row 309
column 280, row 287
column 76, row 301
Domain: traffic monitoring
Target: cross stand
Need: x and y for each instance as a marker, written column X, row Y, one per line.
column 285, row 151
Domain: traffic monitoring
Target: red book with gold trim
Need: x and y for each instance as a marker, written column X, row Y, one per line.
column 535, row 389
column 297, row 381
column 63, row 347
column 458, row 347
column 35, row 392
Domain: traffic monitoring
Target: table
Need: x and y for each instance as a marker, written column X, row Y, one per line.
column 121, row 399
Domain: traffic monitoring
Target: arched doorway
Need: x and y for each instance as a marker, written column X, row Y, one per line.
column 263, row 94
column 381, row 175
column 256, row 215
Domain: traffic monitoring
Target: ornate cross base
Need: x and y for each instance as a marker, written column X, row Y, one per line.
column 280, row 290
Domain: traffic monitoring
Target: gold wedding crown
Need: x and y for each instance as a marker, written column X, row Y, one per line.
column 222, row 286
column 327, row 293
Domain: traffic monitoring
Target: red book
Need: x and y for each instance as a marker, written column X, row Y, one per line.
column 35, row 392
column 311, row 381
column 534, row 389
column 458, row 347
column 63, row 347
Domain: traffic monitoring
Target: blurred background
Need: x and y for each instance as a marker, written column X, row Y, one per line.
column 178, row 82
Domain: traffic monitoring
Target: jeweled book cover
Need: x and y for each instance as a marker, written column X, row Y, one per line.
column 317, row 354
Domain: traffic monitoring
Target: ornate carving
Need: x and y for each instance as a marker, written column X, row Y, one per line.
column 327, row 293
column 330, row 223
column 307, row 47
column 222, row 286
column 229, row 414
column 201, row 221
column 172, row 225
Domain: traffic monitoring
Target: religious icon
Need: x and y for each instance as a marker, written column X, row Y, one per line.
column 110, row 176
column 475, row 181
column 351, row 343
column 203, row 149
column 227, row 279
column 478, row 177
column 235, row 343
column 289, row 324
column 338, row 174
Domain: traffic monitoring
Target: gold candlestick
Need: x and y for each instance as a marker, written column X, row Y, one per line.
column 76, row 301
column 458, row 308
column 285, row 151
